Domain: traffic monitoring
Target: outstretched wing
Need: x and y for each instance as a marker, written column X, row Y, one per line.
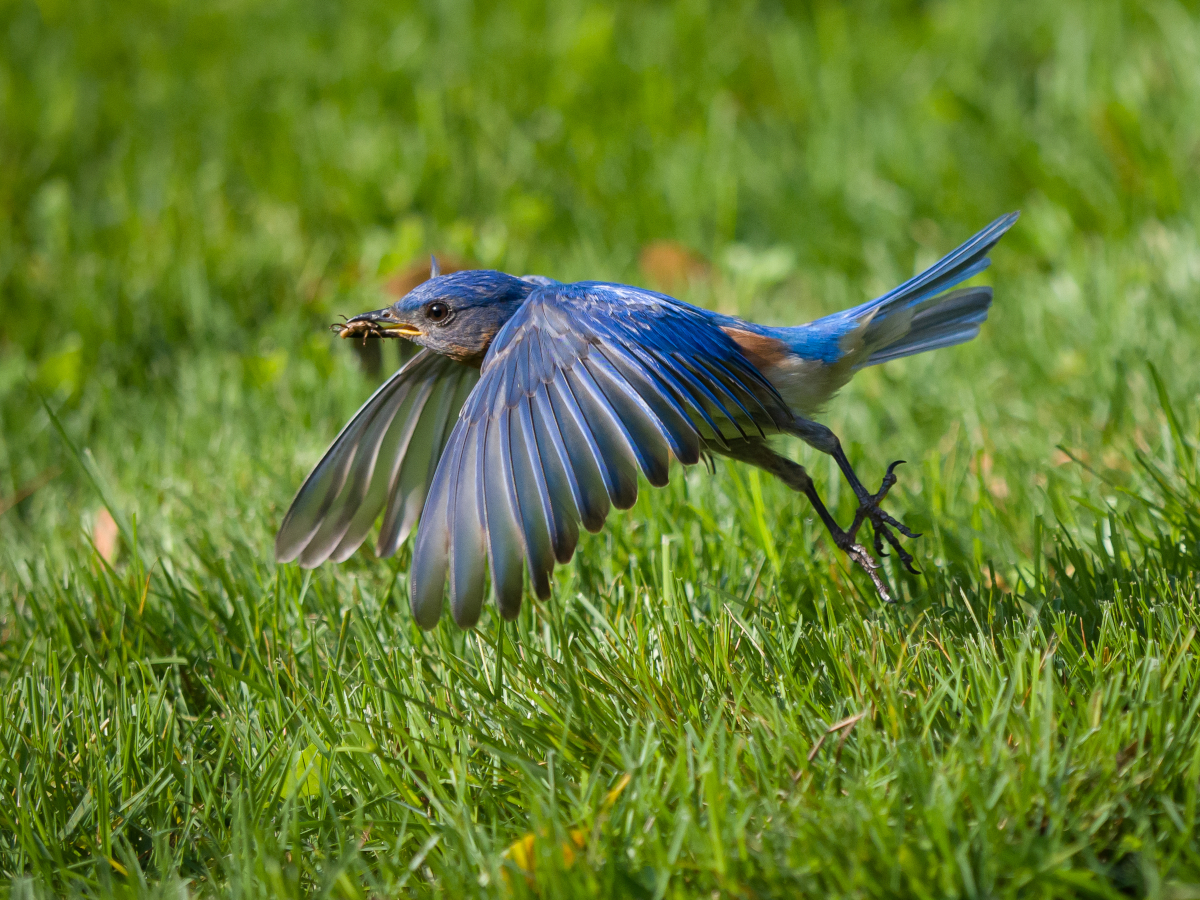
column 585, row 385
column 385, row 456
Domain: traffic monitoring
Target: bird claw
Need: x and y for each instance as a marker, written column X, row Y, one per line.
column 884, row 528
column 882, row 524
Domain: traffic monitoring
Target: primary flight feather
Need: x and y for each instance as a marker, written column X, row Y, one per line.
column 533, row 405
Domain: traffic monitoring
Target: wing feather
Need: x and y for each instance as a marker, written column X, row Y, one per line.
column 530, row 491
column 643, row 432
column 412, row 482
column 742, row 394
column 391, row 453
column 340, row 511
column 724, row 423
column 705, row 425
column 582, row 451
column 467, row 539
column 431, row 552
column 506, row 548
column 339, row 501
column 610, row 445
column 659, row 398
column 565, row 498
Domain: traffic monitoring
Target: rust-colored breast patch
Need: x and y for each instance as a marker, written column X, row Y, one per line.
column 762, row 351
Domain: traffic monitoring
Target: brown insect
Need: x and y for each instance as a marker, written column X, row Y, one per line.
column 356, row 327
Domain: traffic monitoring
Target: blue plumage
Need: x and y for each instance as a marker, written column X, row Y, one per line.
column 535, row 404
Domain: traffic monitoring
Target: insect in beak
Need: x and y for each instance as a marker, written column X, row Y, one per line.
column 380, row 323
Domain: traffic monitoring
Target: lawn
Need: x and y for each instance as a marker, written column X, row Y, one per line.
column 712, row 703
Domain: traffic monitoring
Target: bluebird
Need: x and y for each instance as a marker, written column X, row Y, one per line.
column 533, row 405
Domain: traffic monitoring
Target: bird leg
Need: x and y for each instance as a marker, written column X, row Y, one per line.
column 817, row 435
column 794, row 475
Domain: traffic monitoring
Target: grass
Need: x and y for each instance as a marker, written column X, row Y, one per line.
column 190, row 192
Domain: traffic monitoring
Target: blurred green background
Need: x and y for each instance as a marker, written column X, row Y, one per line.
column 190, row 193
column 178, row 178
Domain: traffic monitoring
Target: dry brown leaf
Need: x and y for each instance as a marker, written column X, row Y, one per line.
column 670, row 266
column 104, row 535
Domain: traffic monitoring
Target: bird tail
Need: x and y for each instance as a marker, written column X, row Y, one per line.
column 920, row 315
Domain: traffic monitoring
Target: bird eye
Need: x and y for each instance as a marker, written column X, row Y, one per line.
column 437, row 311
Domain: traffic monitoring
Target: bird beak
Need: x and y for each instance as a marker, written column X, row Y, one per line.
column 381, row 320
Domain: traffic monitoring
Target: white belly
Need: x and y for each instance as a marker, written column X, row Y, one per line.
column 807, row 385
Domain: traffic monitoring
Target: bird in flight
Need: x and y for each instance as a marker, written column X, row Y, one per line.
column 533, row 404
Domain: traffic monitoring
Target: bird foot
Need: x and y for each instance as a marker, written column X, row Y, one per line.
column 858, row 553
column 884, row 527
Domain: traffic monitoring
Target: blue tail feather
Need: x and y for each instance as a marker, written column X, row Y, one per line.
column 956, row 266
column 916, row 316
column 951, row 319
column 929, row 318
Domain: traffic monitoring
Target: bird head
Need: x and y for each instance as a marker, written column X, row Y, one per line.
column 455, row 315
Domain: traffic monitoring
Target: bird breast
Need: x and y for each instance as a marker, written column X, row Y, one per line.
column 805, row 385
